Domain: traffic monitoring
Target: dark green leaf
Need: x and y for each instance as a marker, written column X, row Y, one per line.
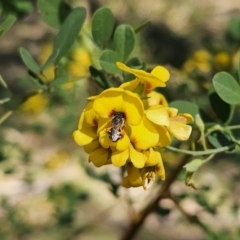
column 124, row 41
column 185, row 107
column 138, row 29
column 7, row 24
column 221, row 108
column 234, row 28
column 108, row 61
column 227, row 87
column 68, row 33
column 102, row 26
column 59, row 81
column 29, row 61
column 99, row 78
column 134, row 63
column 37, row 80
column 193, row 165
column 53, row 12
column 217, row 139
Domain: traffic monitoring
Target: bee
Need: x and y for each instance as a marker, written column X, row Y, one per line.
column 116, row 131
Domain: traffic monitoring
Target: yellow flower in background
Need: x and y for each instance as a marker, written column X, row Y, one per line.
column 48, row 74
column 34, row 104
column 157, row 78
column 200, row 61
column 80, row 61
column 222, row 61
column 57, row 160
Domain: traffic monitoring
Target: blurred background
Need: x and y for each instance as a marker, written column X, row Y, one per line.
column 48, row 190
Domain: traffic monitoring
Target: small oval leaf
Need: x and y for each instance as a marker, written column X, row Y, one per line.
column 29, row 61
column 68, row 33
column 124, row 41
column 227, row 88
column 102, row 26
column 9, row 21
column 193, row 165
column 108, row 61
column 185, row 107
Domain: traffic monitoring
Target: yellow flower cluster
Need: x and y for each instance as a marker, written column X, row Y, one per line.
column 126, row 126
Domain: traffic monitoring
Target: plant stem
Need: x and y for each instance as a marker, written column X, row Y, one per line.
column 199, row 153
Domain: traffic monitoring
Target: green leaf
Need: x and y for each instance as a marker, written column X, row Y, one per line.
column 124, row 41
column 5, row 116
column 108, row 61
column 221, row 108
column 53, row 12
column 3, row 83
column 9, row 21
column 134, row 63
column 102, row 26
column 99, row 78
column 218, row 139
column 185, row 107
column 138, row 29
column 59, row 81
column 29, row 61
column 227, row 88
column 193, row 165
column 68, row 33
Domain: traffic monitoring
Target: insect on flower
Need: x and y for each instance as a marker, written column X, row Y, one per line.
column 116, row 130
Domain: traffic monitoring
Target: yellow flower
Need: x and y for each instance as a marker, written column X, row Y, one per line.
column 222, row 61
column 34, row 104
column 157, row 78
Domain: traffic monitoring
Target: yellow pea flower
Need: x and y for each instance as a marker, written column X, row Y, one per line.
column 157, row 78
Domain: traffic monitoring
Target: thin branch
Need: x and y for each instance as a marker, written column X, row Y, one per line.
column 163, row 191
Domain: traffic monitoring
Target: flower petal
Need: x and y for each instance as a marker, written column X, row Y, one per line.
column 158, row 116
column 91, row 146
column 179, row 130
column 153, row 158
column 137, row 158
column 99, row 156
column 144, row 135
column 164, row 136
column 161, row 73
column 122, row 144
column 155, row 98
column 134, row 176
column 119, row 159
column 130, row 85
column 84, row 136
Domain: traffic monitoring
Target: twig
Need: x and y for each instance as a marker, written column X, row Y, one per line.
column 138, row 220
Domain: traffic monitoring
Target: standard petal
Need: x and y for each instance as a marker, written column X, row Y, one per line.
column 100, row 156
column 108, row 101
column 137, row 158
column 132, row 107
column 187, row 116
column 179, row 130
column 119, row 159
